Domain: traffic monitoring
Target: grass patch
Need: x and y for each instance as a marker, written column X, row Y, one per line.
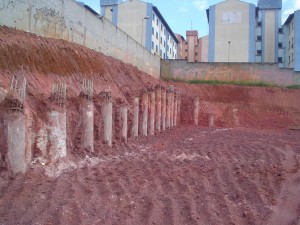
column 294, row 87
column 174, row 79
column 239, row 83
column 220, row 82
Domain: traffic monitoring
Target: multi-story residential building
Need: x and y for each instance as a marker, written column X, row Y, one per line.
column 203, row 48
column 291, row 29
column 193, row 49
column 144, row 23
column 242, row 32
column 269, row 36
column 181, row 47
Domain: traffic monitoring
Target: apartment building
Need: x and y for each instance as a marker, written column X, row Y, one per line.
column 193, row 48
column 291, row 47
column 144, row 23
column 181, row 47
column 241, row 32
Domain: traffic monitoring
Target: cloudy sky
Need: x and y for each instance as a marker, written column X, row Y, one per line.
column 183, row 15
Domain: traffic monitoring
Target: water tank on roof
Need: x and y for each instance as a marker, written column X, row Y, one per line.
column 109, row 2
column 269, row 4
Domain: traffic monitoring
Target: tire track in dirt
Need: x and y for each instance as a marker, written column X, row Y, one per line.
column 288, row 209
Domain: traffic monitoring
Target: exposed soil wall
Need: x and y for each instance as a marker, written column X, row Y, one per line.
column 189, row 175
column 47, row 61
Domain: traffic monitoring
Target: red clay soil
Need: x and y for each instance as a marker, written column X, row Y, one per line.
column 244, row 171
column 188, row 175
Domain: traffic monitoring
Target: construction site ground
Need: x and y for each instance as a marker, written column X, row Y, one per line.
column 244, row 170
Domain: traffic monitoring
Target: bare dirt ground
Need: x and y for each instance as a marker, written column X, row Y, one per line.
column 244, row 171
column 186, row 176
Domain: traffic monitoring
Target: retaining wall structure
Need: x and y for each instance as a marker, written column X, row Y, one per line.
column 53, row 137
column 270, row 73
column 68, row 20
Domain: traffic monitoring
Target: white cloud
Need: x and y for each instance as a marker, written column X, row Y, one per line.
column 200, row 4
column 295, row 5
column 183, row 9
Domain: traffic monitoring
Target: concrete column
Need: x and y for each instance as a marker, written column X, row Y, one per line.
column 16, row 142
column 235, row 117
column 152, row 113
column 196, row 111
column 88, row 126
column 135, row 117
column 211, row 120
column 169, row 108
column 145, row 114
column 106, row 112
column 124, row 121
column 57, row 134
column 172, row 106
column 175, row 109
column 164, row 109
column 158, row 109
column 178, row 109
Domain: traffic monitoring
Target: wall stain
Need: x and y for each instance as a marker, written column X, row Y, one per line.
column 8, row 4
column 49, row 23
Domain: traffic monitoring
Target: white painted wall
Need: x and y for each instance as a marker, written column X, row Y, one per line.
column 269, row 50
column 232, row 24
column 66, row 19
column 130, row 18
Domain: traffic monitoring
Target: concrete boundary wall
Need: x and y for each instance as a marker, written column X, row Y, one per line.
column 68, row 20
column 269, row 73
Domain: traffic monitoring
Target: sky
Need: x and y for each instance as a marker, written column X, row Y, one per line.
column 182, row 15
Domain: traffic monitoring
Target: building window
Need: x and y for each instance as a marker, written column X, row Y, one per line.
column 165, row 31
column 279, row 59
column 156, row 49
column 185, row 57
column 164, row 55
column 161, row 40
column 152, row 30
column 175, row 57
column 289, row 44
column 258, row 38
column 157, row 22
column 161, row 27
column 292, row 42
column 196, row 60
column 196, row 53
column 258, row 52
column 164, row 43
column 280, row 45
column 280, row 30
column 152, row 45
column 153, row 17
column 156, row 35
column 258, row 23
column 185, row 50
column 160, row 52
column 292, row 57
